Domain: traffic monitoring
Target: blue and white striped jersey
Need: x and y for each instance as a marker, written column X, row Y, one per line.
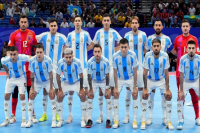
column 125, row 65
column 41, row 69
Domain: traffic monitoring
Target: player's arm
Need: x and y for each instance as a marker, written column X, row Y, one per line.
column 90, row 81
column 81, row 81
column 145, row 71
column 11, row 40
column 32, row 80
column 145, row 50
column 51, row 79
column 135, row 77
column 167, row 79
column 115, row 77
column 173, row 51
column 107, row 80
column 7, row 71
column 181, row 93
column 89, row 47
column 59, row 82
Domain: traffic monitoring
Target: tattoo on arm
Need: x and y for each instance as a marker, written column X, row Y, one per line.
column 145, row 78
column 51, row 79
column 107, row 79
column 32, row 79
column 81, row 82
column 58, row 81
column 90, row 80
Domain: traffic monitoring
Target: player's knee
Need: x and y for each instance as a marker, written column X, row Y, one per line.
column 107, row 95
column 154, row 91
column 71, row 93
column 44, row 92
column 7, row 96
column 100, row 93
column 135, row 95
column 91, row 96
column 116, row 95
column 52, row 96
column 22, row 96
column 168, row 97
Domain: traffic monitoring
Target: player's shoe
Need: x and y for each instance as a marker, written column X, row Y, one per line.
column 108, row 124
column 60, row 123
column 53, row 124
column 34, row 119
column 5, row 123
column 143, row 125
column 12, row 119
column 198, row 121
column 100, row 119
column 89, row 124
column 126, row 119
column 164, row 122
column 29, row 124
column 169, row 126
column 43, row 118
column 83, row 123
column 135, row 125
column 23, row 124
column 57, row 117
column 69, row 119
column 149, row 121
column 180, row 125
column 116, row 124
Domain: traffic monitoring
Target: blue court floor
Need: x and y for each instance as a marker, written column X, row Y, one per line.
column 74, row 127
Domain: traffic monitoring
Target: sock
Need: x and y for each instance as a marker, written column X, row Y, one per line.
column 180, row 110
column 86, row 102
column 112, row 104
column 23, row 108
column 108, row 108
column 135, row 109
column 53, row 109
column 195, row 102
column 30, row 108
column 70, row 102
column 151, row 104
column 7, row 108
column 83, row 110
column 45, row 103
column 144, row 110
column 116, row 109
column 90, row 108
column 128, row 101
column 140, row 94
column 60, row 110
column 33, row 108
column 100, row 100
column 14, row 105
column 56, row 103
column 163, row 103
column 168, row 111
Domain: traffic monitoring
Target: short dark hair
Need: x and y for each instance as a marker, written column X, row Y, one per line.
column 155, row 40
column 106, row 15
column 157, row 20
column 191, row 42
column 7, row 48
column 77, row 16
column 185, row 21
column 13, row 48
column 123, row 41
column 52, row 20
column 97, row 46
column 39, row 45
column 23, row 16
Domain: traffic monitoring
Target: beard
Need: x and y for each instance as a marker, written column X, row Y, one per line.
column 135, row 30
column 191, row 55
column 157, row 53
column 158, row 32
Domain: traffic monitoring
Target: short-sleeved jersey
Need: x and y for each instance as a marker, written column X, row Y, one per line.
column 78, row 42
column 165, row 42
column 191, row 69
column 53, row 46
column 125, row 65
column 71, row 72
column 23, row 41
column 41, row 69
column 107, row 40
column 156, row 66
column 17, row 69
column 136, row 44
column 98, row 70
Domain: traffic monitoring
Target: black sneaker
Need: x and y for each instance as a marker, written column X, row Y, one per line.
column 89, row 124
column 108, row 124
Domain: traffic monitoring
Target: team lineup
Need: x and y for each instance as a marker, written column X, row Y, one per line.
column 60, row 67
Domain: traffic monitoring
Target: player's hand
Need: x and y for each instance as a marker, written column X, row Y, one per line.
column 116, row 92
column 52, row 92
column 32, row 92
column 82, row 93
column 145, row 94
column 181, row 95
column 107, row 93
column 60, row 95
column 168, row 94
column 91, row 94
column 7, row 76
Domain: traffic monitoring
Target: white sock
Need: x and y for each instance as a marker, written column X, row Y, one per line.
column 60, row 110
column 128, row 101
column 7, row 108
column 140, row 94
column 53, row 109
column 151, row 104
column 23, row 109
column 135, row 109
column 180, row 110
column 168, row 110
column 45, row 103
column 90, row 108
column 108, row 108
column 83, row 110
column 163, row 103
column 30, row 108
column 144, row 110
column 116, row 109
column 112, row 103
column 100, row 100
column 70, row 102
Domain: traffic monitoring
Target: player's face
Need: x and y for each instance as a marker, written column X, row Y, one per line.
column 97, row 53
column 106, row 22
column 68, row 58
column 124, row 48
column 185, row 28
column 13, row 56
column 39, row 53
column 78, row 22
column 53, row 27
column 158, row 27
column 134, row 25
column 156, row 47
column 23, row 24
column 191, row 49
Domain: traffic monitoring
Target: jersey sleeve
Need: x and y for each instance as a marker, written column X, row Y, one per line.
column 50, row 65
column 89, row 40
column 144, row 37
column 146, row 62
column 80, row 70
column 175, row 44
column 68, row 40
column 181, row 66
column 135, row 61
column 197, row 45
column 89, row 70
column 107, row 70
column 3, row 61
column 11, row 40
column 96, row 37
column 30, row 66
column 39, row 37
column 59, row 71
column 148, row 44
column 63, row 40
column 114, row 63
column 167, row 62
column 34, row 38
column 117, row 36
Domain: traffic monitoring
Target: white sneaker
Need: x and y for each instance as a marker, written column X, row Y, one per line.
column 198, row 121
column 100, row 119
column 189, row 104
column 169, row 126
column 135, row 125
column 164, row 122
column 69, row 119
column 143, row 125
column 86, row 118
column 126, row 119
column 60, row 123
column 23, row 124
column 149, row 121
column 53, row 123
column 5, row 123
column 29, row 124
column 83, row 123
column 12, row 119
column 116, row 124
column 34, row 119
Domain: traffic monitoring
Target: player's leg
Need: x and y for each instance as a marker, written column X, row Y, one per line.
column 70, row 102
column 14, row 105
column 196, row 89
column 127, row 105
column 45, row 104
column 59, row 106
column 56, row 91
column 140, row 84
column 150, row 106
column 112, row 85
column 100, row 102
column 135, row 106
column 180, row 112
column 107, row 94
column 86, row 88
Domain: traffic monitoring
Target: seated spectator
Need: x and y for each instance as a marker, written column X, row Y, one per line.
column 46, row 22
column 168, row 4
column 10, row 11
column 165, row 15
column 71, row 24
column 74, row 14
column 129, row 15
column 41, row 24
column 198, row 10
column 85, row 8
column 1, row 15
column 176, row 9
column 158, row 17
column 67, row 16
column 98, row 23
column 185, row 9
column 32, row 11
column 192, row 10
column 40, row 6
column 181, row 4
column 154, row 14
column 5, row 5
column 161, row 5
column 19, row 1
column 114, row 9
column 113, row 24
column 98, row 16
column 25, row 9
column 59, row 15
column 175, row 25
column 197, row 24
column 121, row 24
column 174, row 3
column 12, row 21
column 106, row 10
column 84, row 15
column 180, row 15
column 61, row 9
column 32, row 24
column 154, row 8
column 83, row 24
column 121, row 17
column 53, row 11
column 116, row 15
column 90, row 24
column 128, row 23
column 64, row 24
column 167, row 23
column 17, row 10
column 91, row 5
column 35, row 5
column 172, row 18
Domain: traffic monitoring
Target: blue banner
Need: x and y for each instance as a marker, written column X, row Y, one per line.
column 72, row 9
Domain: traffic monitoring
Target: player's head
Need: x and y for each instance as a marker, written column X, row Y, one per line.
column 78, row 21
column 158, row 26
column 106, row 21
column 97, row 51
column 68, row 55
column 185, row 26
column 191, row 48
column 13, row 53
column 156, row 46
column 39, row 51
column 23, row 22
column 135, row 23
column 124, row 46
column 8, row 51
column 53, row 26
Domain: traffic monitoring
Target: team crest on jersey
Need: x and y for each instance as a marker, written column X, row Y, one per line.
column 19, row 39
column 102, row 69
column 131, row 40
column 94, row 68
column 187, row 67
column 110, row 35
column 48, row 40
column 129, row 63
column 152, row 63
column 20, row 67
column 73, row 70
column 65, row 70
column 161, row 65
column 102, row 36
column 73, row 39
column 37, row 67
column 195, row 67
column 44, row 67
column 56, row 42
column 29, row 38
column 10, row 67
column 120, row 63
column 81, row 39
column 140, row 40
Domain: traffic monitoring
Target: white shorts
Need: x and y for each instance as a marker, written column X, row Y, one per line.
column 140, row 82
column 127, row 83
column 55, row 81
column 70, row 87
column 152, row 84
column 99, row 84
column 191, row 85
column 39, row 85
column 13, row 82
column 111, row 76
column 85, row 79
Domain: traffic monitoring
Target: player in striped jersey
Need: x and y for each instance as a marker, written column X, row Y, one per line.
column 73, row 81
column 107, row 37
column 54, row 44
column 125, row 74
column 41, row 68
column 166, row 46
column 137, row 40
column 16, row 76
column 80, row 41
column 189, row 78
column 157, row 63
column 98, row 69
